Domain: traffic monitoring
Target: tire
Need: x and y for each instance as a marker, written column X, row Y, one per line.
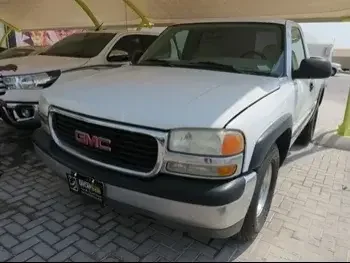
column 334, row 71
column 257, row 214
column 308, row 132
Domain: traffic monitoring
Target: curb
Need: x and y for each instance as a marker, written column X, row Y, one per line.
column 331, row 139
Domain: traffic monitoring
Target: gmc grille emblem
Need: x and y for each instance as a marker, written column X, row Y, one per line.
column 93, row 141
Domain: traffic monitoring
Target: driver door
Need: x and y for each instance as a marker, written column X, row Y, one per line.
column 304, row 89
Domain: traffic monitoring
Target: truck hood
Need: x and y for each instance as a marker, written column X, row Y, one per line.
column 162, row 98
column 39, row 63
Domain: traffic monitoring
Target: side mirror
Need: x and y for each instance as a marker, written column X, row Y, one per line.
column 313, row 68
column 136, row 57
column 118, row 56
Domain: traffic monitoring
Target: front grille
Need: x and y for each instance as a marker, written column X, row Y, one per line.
column 129, row 150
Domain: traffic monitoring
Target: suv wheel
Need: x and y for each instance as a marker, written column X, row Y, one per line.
column 307, row 134
column 263, row 194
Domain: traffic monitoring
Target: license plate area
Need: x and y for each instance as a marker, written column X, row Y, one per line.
column 87, row 186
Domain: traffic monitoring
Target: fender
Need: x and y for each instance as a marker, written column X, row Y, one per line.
column 268, row 138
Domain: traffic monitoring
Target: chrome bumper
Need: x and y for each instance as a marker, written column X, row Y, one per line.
column 11, row 111
column 218, row 221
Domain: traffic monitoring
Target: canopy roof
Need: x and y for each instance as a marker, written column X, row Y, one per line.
column 44, row 14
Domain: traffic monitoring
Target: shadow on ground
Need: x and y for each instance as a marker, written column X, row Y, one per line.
column 13, row 144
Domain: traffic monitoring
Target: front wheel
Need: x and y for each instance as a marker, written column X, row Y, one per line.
column 262, row 197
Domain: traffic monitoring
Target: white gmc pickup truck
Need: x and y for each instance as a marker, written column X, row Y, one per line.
column 76, row 56
column 195, row 130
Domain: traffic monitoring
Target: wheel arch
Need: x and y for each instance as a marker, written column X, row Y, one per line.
column 280, row 132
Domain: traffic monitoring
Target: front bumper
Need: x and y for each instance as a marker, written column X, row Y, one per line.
column 213, row 208
column 11, row 113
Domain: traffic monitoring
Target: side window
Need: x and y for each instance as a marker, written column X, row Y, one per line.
column 298, row 50
column 128, row 44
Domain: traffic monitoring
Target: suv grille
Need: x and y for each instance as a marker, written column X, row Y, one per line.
column 129, row 150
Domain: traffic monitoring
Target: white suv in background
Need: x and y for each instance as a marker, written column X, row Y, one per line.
column 75, row 56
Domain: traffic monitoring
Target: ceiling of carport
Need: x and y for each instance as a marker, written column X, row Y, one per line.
column 44, row 14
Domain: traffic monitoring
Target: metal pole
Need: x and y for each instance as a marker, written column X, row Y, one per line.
column 89, row 13
column 8, row 31
column 344, row 128
column 144, row 20
column 9, row 25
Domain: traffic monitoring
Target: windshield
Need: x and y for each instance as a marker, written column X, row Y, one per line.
column 249, row 48
column 15, row 52
column 81, row 45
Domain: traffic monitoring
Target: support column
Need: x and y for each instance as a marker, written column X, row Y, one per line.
column 7, row 32
column 8, row 29
column 344, row 128
column 89, row 13
column 144, row 20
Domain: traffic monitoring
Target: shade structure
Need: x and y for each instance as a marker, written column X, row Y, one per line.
column 45, row 14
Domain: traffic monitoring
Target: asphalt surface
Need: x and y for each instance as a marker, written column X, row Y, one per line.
column 41, row 220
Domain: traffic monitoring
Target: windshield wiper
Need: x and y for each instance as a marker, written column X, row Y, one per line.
column 258, row 73
column 199, row 65
column 156, row 62
column 214, row 66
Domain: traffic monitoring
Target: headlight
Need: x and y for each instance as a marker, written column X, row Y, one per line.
column 31, row 81
column 206, row 142
column 44, row 113
column 209, row 153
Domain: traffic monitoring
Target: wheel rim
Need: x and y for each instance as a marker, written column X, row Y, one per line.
column 264, row 191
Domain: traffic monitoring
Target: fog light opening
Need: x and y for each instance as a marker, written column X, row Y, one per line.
column 25, row 111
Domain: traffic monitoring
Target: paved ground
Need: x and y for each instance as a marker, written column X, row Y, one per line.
column 40, row 220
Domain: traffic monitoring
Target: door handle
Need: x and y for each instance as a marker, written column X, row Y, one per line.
column 311, row 86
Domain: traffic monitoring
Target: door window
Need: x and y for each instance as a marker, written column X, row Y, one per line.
column 131, row 43
column 298, row 50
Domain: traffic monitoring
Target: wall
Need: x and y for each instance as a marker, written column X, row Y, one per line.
column 342, row 56
column 321, row 50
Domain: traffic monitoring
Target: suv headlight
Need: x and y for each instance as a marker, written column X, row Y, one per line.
column 31, row 81
column 210, row 152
